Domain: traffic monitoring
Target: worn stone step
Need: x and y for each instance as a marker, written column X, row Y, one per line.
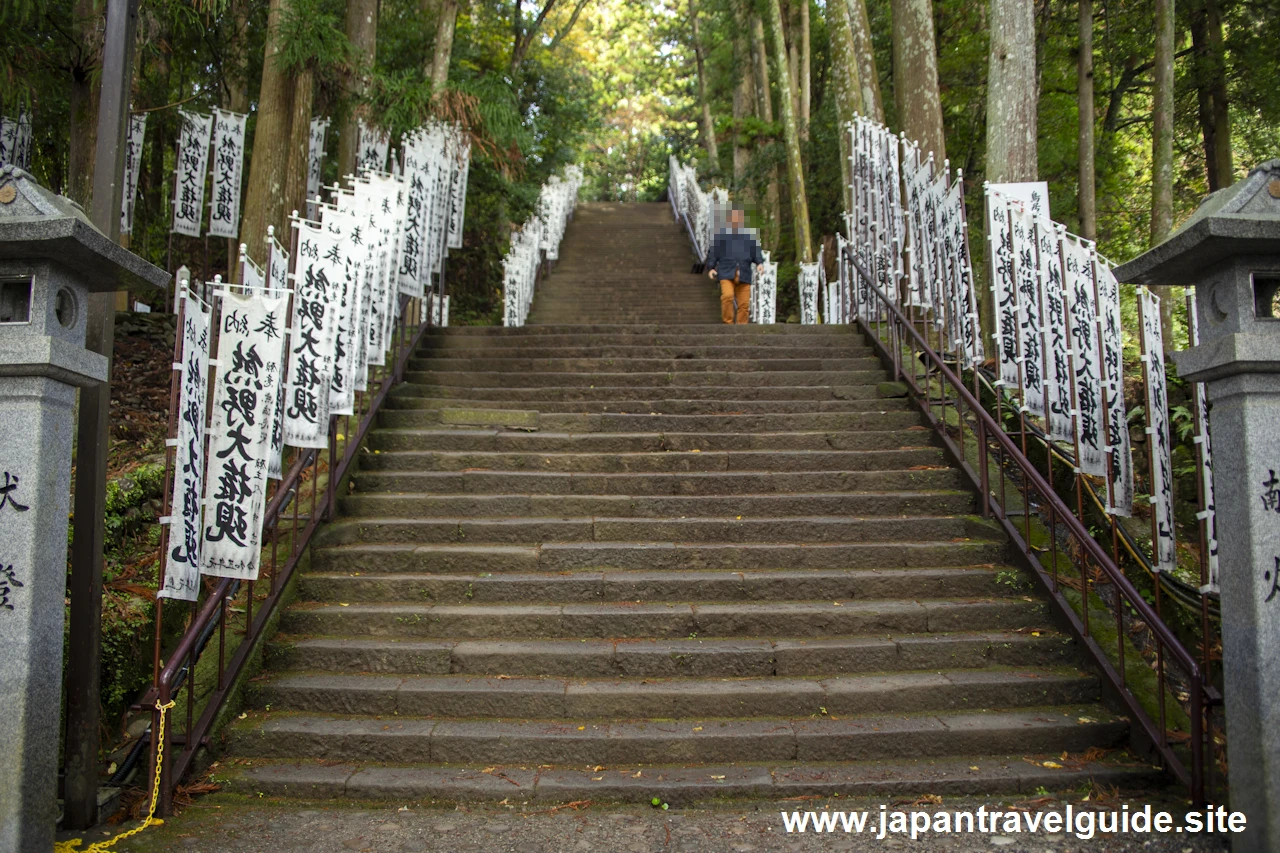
column 703, row 657
column 672, row 379
column 391, row 479
column 551, row 698
column 575, row 556
column 527, row 531
column 626, row 354
column 613, row 366
column 424, row 506
column 416, row 410
column 976, row 774
column 519, row 440
column 748, row 341
column 407, row 395
column 795, row 461
column 721, row 585
column 663, row 620
column 632, row 332
column 707, row 741
column 739, row 422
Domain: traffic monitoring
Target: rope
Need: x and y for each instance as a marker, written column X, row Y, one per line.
column 73, row 845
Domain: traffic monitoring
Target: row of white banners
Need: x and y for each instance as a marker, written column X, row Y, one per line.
column 540, row 236
column 280, row 373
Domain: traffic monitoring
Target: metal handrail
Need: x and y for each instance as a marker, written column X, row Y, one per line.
column 1202, row 694
column 179, row 670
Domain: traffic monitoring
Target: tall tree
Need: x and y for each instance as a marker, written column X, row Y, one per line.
column 865, row 54
column 362, row 33
column 1162, row 125
column 743, row 101
column 791, row 135
column 806, row 66
column 1211, row 93
column 915, row 75
column 708, row 126
column 84, row 57
column 1012, row 92
column 295, row 185
column 265, row 200
column 848, row 90
column 1088, row 176
column 764, row 101
column 442, row 52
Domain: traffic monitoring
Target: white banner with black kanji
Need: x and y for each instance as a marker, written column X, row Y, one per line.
column 319, row 270
column 1164, row 556
column 315, row 163
column 250, row 351
column 182, row 562
column 1077, row 266
column 228, row 166
column 193, row 163
column 1120, row 501
column 132, row 168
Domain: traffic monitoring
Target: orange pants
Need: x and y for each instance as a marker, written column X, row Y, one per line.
column 729, row 291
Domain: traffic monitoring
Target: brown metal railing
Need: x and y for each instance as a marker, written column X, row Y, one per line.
column 294, row 512
column 996, row 465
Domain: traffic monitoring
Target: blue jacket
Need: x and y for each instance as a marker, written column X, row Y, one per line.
column 734, row 252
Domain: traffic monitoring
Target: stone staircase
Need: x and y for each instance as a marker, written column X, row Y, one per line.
column 620, row 562
column 625, row 263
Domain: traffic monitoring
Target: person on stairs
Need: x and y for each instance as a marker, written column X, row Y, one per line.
column 734, row 257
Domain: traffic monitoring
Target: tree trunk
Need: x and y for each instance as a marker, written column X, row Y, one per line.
column 362, row 32
column 448, row 17
column 806, row 63
column 295, row 185
column 795, row 168
column 1011, row 93
column 790, row 35
column 1211, row 94
column 865, row 54
column 1162, row 126
column 237, row 101
column 915, row 76
column 848, row 91
column 1085, row 147
column 764, row 100
column 265, row 199
column 708, row 126
column 742, row 103
column 85, row 87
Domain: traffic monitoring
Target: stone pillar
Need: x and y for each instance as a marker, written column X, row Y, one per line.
column 51, row 258
column 1230, row 251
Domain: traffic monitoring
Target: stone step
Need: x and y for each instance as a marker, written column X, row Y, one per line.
column 577, row 556
column 735, row 421
column 447, row 530
column 720, row 378
column 505, row 441
column 375, row 506
column 748, row 341
column 682, row 784
column 755, row 585
column 621, row 354
column 637, row 463
column 411, row 409
column 815, row 619
column 704, row 657
column 551, row 698
column 405, row 395
column 607, row 366
column 675, row 483
column 1074, row 728
column 624, row 333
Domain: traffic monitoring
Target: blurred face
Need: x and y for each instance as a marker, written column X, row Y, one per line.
column 735, row 218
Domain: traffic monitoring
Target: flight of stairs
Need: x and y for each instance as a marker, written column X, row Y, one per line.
column 635, row 561
column 625, row 263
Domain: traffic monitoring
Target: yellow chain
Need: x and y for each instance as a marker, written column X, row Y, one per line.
column 73, row 846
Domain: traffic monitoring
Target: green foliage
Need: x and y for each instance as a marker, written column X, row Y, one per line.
column 311, row 37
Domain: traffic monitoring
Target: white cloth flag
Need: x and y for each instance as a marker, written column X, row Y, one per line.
column 458, row 194
column 350, row 236
column 193, row 162
column 1120, row 501
column 1030, row 321
column 1164, row 554
column 132, row 168
column 228, row 165
column 418, row 188
column 277, row 266
column 372, row 152
column 315, row 164
column 182, row 562
column 962, row 274
column 1003, row 286
column 1210, row 512
column 1053, row 299
column 807, row 281
column 250, row 351
column 1077, row 263
column 251, row 275
column 319, row 270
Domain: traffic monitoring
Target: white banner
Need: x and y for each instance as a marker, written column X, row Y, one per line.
column 350, row 236
column 228, row 164
column 807, row 281
column 250, row 351
column 1209, row 514
column 1004, row 287
column 1077, row 263
column 15, row 141
column 132, row 168
column 1164, row 554
column 315, row 164
column 182, row 562
column 372, row 152
column 1053, row 299
column 319, row 271
column 458, row 194
column 251, row 275
column 1111, row 335
column 410, row 278
column 277, row 265
column 962, row 273
column 1030, row 322
column 193, row 163
column 1032, row 195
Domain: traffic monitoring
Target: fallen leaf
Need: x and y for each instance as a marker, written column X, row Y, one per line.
column 717, row 777
column 1052, row 765
column 599, row 767
column 697, row 728
column 582, row 728
column 597, row 778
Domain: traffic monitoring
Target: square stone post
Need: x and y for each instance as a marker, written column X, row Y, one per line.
column 1230, row 251
column 51, row 258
